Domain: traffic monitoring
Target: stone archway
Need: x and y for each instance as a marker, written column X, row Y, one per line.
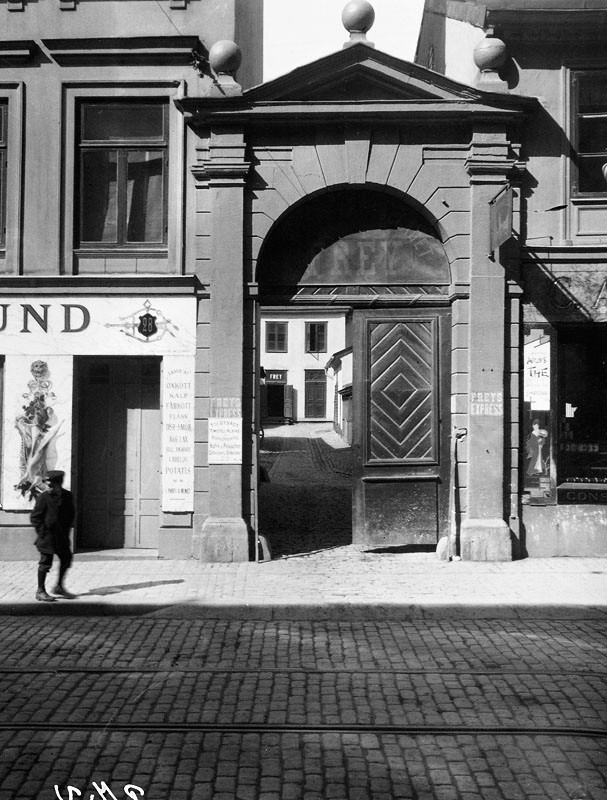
column 375, row 254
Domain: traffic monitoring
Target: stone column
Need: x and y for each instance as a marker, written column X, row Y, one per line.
column 485, row 536
column 225, row 534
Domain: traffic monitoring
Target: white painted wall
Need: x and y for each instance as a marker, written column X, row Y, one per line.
column 296, row 360
column 460, row 40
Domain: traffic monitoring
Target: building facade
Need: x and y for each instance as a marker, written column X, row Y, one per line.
column 103, row 301
column 158, row 200
column 556, row 266
column 295, row 348
column 366, row 182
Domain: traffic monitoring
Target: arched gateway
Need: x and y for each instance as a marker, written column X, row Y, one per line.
column 368, row 183
column 371, row 253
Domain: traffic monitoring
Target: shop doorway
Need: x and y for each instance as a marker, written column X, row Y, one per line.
column 119, row 452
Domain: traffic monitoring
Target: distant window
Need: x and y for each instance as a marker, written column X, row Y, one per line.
column 590, row 134
column 316, row 337
column 276, row 337
column 123, row 173
column 3, row 167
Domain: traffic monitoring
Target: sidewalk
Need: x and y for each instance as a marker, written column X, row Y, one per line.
column 315, row 573
column 345, row 583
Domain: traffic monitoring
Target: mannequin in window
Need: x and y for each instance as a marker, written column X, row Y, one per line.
column 535, row 449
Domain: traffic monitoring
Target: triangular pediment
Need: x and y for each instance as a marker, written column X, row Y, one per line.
column 361, row 73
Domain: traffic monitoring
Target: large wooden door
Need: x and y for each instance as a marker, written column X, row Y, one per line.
column 315, row 394
column 401, row 426
column 119, row 452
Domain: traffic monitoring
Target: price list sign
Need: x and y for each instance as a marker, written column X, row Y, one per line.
column 178, row 435
column 225, row 431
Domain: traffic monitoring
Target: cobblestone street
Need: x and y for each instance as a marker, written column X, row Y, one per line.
column 306, row 505
column 332, row 671
column 215, row 709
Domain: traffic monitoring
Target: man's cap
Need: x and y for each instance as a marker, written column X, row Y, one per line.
column 55, row 475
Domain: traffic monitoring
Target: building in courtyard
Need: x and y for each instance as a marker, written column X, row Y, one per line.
column 295, row 346
column 162, row 206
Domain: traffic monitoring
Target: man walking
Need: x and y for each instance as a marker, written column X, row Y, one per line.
column 52, row 517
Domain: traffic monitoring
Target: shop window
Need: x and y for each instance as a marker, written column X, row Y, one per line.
column 316, row 337
column 590, row 133
column 538, row 470
column 276, row 337
column 3, row 169
column 582, row 390
column 123, row 151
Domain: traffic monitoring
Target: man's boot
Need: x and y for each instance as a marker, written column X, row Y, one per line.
column 60, row 589
column 41, row 594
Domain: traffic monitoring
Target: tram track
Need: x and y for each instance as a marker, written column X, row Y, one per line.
column 263, row 728
column 294, row 670
column 400, row 728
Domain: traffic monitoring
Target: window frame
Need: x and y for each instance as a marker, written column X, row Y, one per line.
column 268, row 336
column 131, row 259
column 3, row 168
column 122, row 147
column 577, row 76
column 12, row 98
column 322, row 325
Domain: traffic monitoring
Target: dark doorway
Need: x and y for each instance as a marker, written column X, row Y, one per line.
column 119, row 451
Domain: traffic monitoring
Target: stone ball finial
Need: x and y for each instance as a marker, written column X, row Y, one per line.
column 358, row 16
column 225, row 57
column 490, row 54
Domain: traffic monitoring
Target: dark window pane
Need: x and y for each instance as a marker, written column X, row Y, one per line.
column 119, row 122
column 99, row 202
column 593, row 135
column 583, row 399
column 2, row 123
column 590, row 175
column 592, row 94
column 316, row 337
column 145, row 196
column 276, row 337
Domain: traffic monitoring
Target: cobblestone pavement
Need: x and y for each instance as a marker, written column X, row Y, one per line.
column 233, row 710
column 306, row 506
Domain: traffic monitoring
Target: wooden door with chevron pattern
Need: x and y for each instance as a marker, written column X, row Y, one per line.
column 401, row 426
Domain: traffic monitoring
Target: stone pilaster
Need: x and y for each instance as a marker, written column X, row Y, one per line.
column 485, row 536
column 225, row 535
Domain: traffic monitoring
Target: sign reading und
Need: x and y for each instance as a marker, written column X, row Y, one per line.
column 225, row 430
column 130, row 325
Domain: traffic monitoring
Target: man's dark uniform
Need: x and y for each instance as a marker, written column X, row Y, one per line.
column 52, row 517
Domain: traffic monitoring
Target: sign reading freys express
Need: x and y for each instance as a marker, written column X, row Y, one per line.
column 98, row 326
